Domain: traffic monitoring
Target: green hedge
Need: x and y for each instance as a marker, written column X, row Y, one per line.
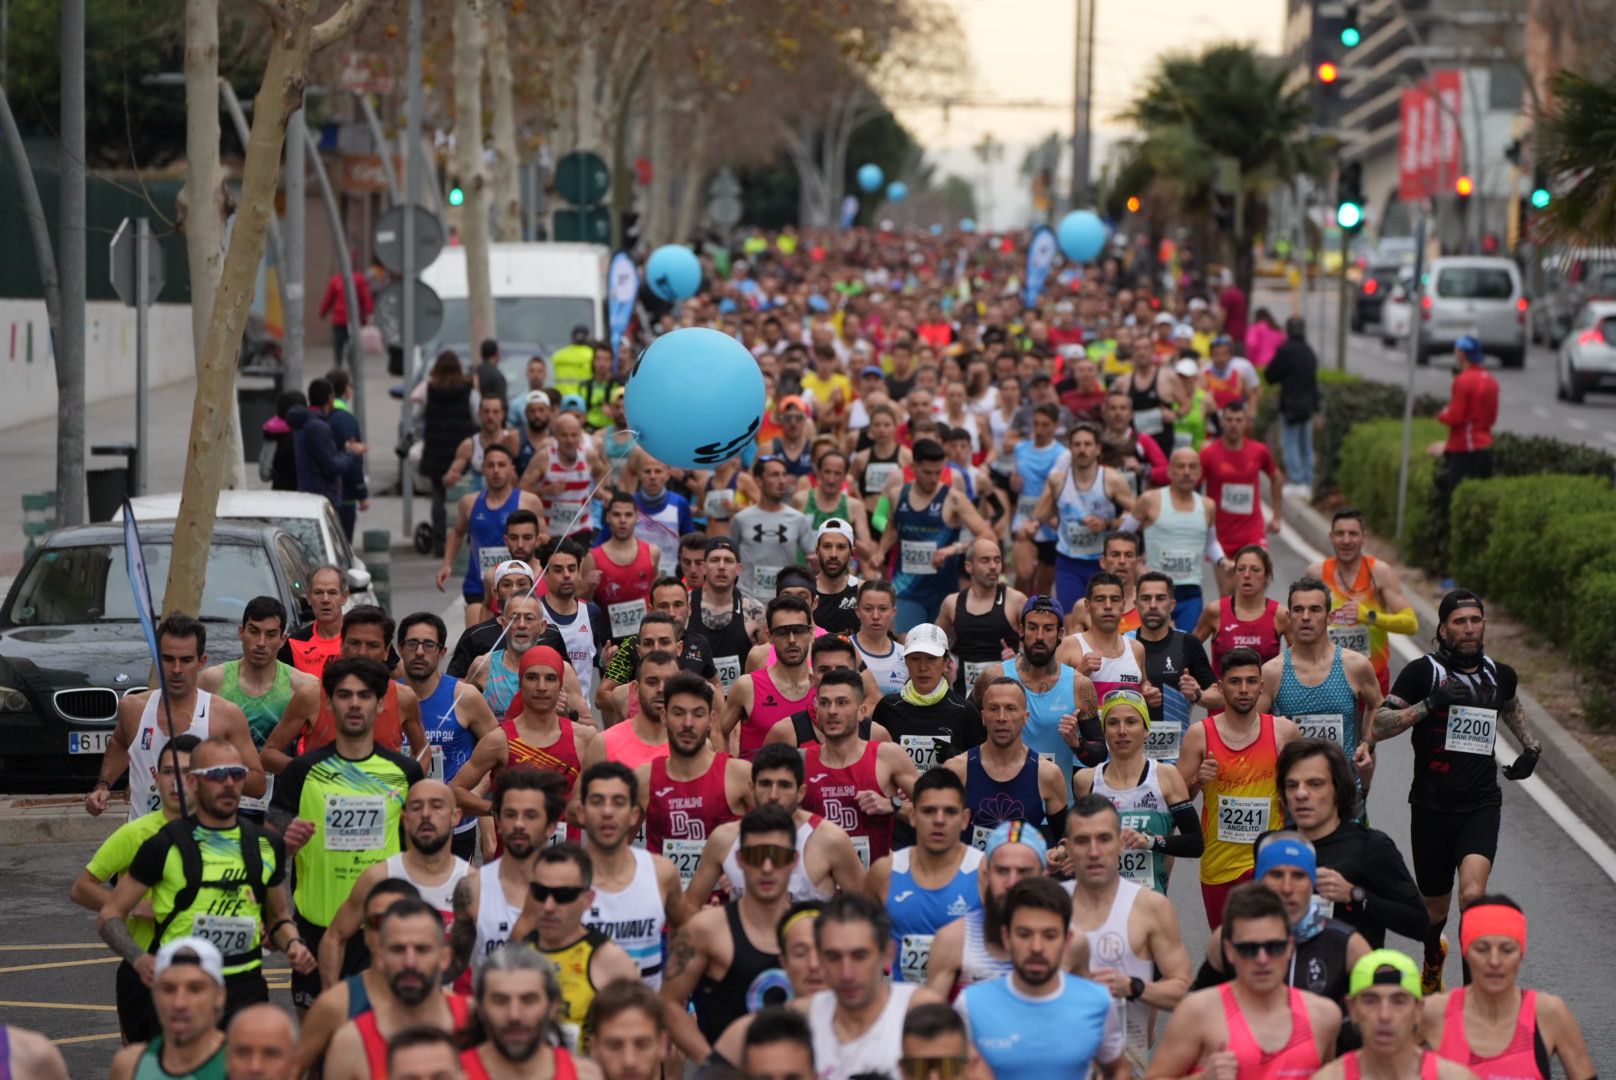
column 1371, row 456
column 1593, row 644
column 1527, row 455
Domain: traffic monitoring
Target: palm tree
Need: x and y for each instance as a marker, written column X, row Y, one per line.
column 1226, row 105
column 1576, row 146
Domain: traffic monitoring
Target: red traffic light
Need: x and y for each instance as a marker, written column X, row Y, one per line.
column 1328, row 72
column 1464, row 186
column 1133, row 204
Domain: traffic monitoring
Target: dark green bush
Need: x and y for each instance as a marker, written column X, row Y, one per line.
column 1475, row 506
column 1371, row 456
column 1351, row 402
column 1524, row 455
column 1593, row 644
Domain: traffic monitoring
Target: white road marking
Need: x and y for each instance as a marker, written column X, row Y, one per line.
column 1601, row 853
column 1578, row 425
column 1540, row 412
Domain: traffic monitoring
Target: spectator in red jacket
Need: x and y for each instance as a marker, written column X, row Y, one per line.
column 1470, row 415
column 335, row 305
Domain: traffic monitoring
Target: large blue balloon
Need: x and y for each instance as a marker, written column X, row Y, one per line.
column 673, row 272
column 696, row 398
column 870, row 177
column 1081, row 235
column 967, row 224
column 897, row 191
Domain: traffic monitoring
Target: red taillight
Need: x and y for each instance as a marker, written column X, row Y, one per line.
column 1595, row 336
column 1371, row 286
column 1425, row 308
column 1522, row 304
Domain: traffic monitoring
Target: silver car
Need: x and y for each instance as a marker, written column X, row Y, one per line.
column 1587, row 359
column 1477, row 296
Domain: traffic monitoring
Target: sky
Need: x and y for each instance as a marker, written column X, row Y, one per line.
column 1024, row 51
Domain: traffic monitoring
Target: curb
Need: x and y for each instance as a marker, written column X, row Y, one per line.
column 67, row 824
column 1566, row 766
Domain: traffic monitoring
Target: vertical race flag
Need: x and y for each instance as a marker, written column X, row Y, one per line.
column 140, row 586
column 850, row 209
column 1040, row 257
column 623, row 287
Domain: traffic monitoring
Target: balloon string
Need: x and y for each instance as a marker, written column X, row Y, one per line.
column 571, row 526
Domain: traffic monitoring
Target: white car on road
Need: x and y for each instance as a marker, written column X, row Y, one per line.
column 311, row 519
column 1587, row 359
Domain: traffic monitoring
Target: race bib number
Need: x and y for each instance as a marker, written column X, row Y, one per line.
column 490, row 557
column 922, row 749
column 876, row 475
column 1352, row 638
column 1241, row 819
column 259, row 804
column 558, row 835
column 1179, row 564
column 720, row 503
column 1162, row 741
column 729, row 669
column 685, row 855
column 979, row 836
column 625, row 617
column 1025, row 505
column 1148, row 421
column 914, row 954
column 1328, row 726
column 1077, row 537
column 1238, row 498
column 1138, row 867
column 1322, row 908
column 355, row 822
column 1471, row 730
column 861, row 848
column 434, row 769
column 765, row 577
column 916, row 556
column 230, row 934
column 972, row 670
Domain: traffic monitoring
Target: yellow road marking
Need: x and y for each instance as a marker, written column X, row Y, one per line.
column 55, row 1005
column 58, row 964
column 86, row 1038
column 42, row 948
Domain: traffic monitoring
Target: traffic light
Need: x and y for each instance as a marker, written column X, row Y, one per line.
column 1541, row 195
column 1133, row 204
column 457, row 194
column 1349, row 198
column 1464, row 187
column 1328, row 73
column 1351, row 32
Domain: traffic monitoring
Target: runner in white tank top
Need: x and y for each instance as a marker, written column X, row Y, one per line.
column 148, row 742
column 568, row 507
column 1114, row 671
column 890, row 671
column 579, row 635
column 977, row 964
column 800, row 887
column 441, row 896
column 634, row 917
column 496, row 916
column 875, row 1051
column 1110, row 947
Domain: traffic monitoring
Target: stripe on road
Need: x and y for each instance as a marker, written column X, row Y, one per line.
column 1578, row 425
column 56, row 1005
column 1551, row 804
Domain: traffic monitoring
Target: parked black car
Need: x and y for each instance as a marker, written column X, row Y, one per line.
column 71, row 647
column 1377, row 282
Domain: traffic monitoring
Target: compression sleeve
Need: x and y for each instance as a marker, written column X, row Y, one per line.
column 1090, row 749
column 1054, row 829
column 1186, row 841
column 1397, row 622
column 1214, row 550
column 1129, row 523
column 878, row 517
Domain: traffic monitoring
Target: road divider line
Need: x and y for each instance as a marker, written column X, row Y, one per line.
column 43, row 948
column 1575, row 424
column 87, row 1038
column 56, row 1005
column 1599, row 852
column 58, row 964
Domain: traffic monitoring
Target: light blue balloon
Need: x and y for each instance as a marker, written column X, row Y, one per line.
column 870, row 177
column 936, row 229
column 967, row 224
column 673, row 272
column 1081, row 235
column 696, row 399
column 897, row 191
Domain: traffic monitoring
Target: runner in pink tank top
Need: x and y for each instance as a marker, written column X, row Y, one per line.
column 768, row 706
column 1520, row 1059
column 1296, row 1060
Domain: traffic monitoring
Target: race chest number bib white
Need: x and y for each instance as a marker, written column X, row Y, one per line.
column 861, row 848
column 435, row 767
column 230, row 934
column 1180, row 563
column 1076, row 536
column 1025, row 505
column 1148, row 421
column 259, row 804
column 876, row 475
column 1138, row 867
column 765, row 576
column 979, row 836
column 490, row 557
column 355, row 822
column 914, row 954
column 1238, row 498
column 1328, row 726
column 625, row 617
column 719, row 504
column 922, row 749
column 1352, row 638
column 1471, row 730
column 915, row 557
column 973, row 669
column 685, row 855
column 729, row 669
column 1241, row 819
column 1162, row 741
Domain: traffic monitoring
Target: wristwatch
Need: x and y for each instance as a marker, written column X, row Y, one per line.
column 1136, row 988
column 1359, row 897
column 1158, row 843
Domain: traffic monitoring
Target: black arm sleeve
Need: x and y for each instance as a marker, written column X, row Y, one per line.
column 1200, row 665
column 1186, row 841
column 1054, row 829
column 1208, row 976
column 1091, row 749
column 1394, row 899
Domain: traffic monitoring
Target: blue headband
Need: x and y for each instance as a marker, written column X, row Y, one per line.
column 1016, row 832
column 1287, row 852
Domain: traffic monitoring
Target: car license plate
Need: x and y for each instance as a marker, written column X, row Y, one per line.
column 88, row 742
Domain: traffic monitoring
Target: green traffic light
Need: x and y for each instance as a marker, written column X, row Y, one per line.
column 1350, row 36
column 456, row 196
column 1541, row 198
column 1349, row 215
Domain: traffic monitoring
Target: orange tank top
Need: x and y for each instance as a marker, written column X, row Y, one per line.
column 1360, row 637
column 1240, row 804
column 389, row 726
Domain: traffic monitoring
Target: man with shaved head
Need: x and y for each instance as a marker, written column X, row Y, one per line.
column 258, row 1044
column 1178, row 524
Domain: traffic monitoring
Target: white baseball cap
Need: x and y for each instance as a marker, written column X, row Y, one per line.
column 927, row 638
column 1197, row 304
column 1187, row 367
column 512, row 566
column 838, row 526
column 205, row 952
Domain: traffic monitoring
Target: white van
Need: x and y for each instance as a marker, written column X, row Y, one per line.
column 1479, row 296
column 541, row 291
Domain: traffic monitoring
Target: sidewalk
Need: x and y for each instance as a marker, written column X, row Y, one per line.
column 29, row 452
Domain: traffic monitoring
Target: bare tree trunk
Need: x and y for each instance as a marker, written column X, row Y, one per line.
column 507, row 197
column 586, row 98
column 468, row 132
column 684, row 218
column 294, row 35
column 656, row 223
column 34, row 210
column 206, row 198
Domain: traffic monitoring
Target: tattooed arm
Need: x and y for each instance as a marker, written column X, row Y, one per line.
column 1393, row 718
column 687, row 963
column 1514, row 718
column 463, row 932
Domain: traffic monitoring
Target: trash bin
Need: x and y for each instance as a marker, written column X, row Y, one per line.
column 257, row 389
column 106, row 489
